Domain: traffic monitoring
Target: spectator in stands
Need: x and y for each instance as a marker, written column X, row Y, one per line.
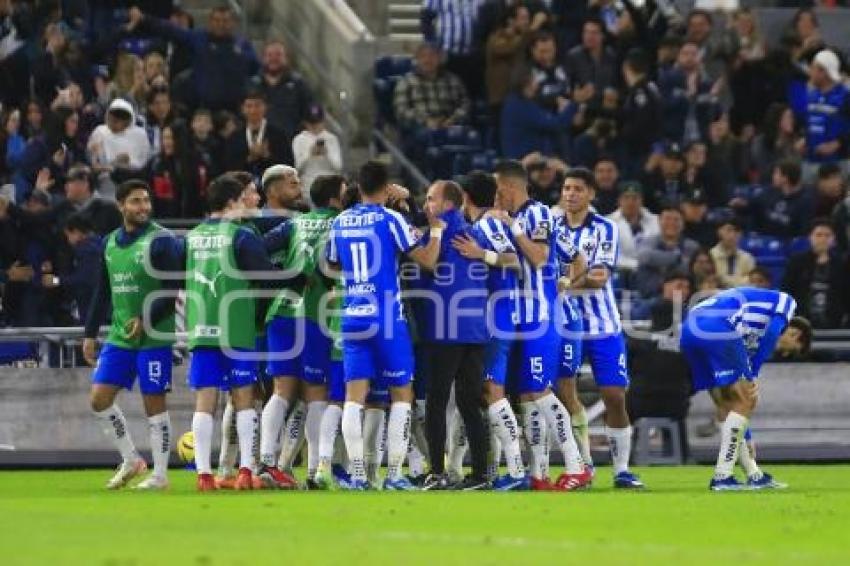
column 527, row 127
column 785, row 209
column 430, row 97
column 675, row 290
column 222, row 63
column 600, row 139
column 779, row 140
column 634, row 224
column 178, row 56
column 817, row 279
column 607, row 176
column 806, row 28
column 701, row 268
column 748, row 40
column 160, row 115
column 13, row 142
column 128, row 81
column 694, row 209
column 727, row 162
column 826, row 116
column 505, row 51
column 759, row 277
column 592, row 62
column 696, row 157
column 83, row 273
column 451, row 26
column 667, row 53
column 169, row 177
column 658, row 255
column 552, row 79
column 257, row 145
column 733, row 264
column 287, row 94
column 79, row 198
column 664, row 178
column 545, row 179
column 690, row 98
column 713, row 49
column 15, row 28
column 316, row 150
column 118, row 149
column 830, row 189
column 640, row 118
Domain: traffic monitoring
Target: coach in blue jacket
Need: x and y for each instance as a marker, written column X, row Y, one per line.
column 453, row 324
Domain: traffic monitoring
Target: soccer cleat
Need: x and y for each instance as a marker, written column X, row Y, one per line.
column 766, row 481
column 244, row 480
column 206, row 482
column 401, row 484
column 125, row 472
column 729, row 483
column 470, row 483
column 436, row 482
column 355, row 485
column 152, row 483
column 573, row 482
column 627, row 480
column 225, row 482
column 541, row 484
column 510, row 483
column 340, row 474
column 275, row 478
column 418, row 481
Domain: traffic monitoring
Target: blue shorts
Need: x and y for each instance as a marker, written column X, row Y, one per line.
column 607, row 358
column 714, row 362
column 379, row 392
column 378, row 357
column 571, row 350
column 534, row 357
column 119, row 367
column 298, row 348
column 336, row 382
column 497, row 353
column 211, row 367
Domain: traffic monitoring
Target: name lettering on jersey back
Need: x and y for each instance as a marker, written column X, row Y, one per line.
column 208, row 242
column 359, row 220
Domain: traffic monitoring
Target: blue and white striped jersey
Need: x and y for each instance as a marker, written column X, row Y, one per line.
column 566, row 252
column 749, row 310
column 538, row 287
column 366, row 242
column 492, row 235
column 455, row 23
column 598, row 240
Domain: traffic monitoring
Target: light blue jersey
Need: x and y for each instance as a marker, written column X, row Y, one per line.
column 503, row 306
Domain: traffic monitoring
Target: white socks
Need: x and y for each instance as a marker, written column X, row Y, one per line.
column 202, row 428
column 730, row 440
column 748, row 462
column 581, row 432
column 327, row 435
column 246, row 428
column 503, row 423
column 418, row 429
column 293, row 436
column 352, row 432
column 534, row 427
column 227, row 451
column 415, row 460
column 456, row 437
column 160, row 432
column 313, row 431
column 114, row 425
column 494, row 447
column 558, row 419
column 274, row 414
column 374, row 425
column 398, row 438
column 620, row 444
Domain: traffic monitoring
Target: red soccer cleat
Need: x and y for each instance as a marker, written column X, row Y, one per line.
column 275, row 478
column 206, row 482
column 244, row 480
column 228, row 482
column 541, row 484
column 574, row 482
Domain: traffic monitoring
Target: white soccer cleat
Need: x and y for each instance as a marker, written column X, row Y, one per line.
column 152, row 483
column 126, row 471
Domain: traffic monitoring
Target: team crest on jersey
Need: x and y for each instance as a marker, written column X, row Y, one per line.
column 587, row 247
column 606, row 246
column 542, row 230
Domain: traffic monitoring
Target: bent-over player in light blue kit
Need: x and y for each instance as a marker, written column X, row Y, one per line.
column 725, row 340
column 365, row 244
column 602, row 340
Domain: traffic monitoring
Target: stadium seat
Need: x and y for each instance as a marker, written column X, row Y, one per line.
column 670, row 451
column 763, row 246
column 392, row 66
column 383, row 91
column 775, row 265
column 799, row 244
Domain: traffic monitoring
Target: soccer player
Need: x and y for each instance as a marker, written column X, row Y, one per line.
column 365, row 244
column 492, row 245
column 602, row 340
column 223, row 261
column 725, row 340
column 538, row 340
column 140, row 338
column 299, row 339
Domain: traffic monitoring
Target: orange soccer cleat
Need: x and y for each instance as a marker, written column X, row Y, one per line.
column 244, row 480
column 206, row 482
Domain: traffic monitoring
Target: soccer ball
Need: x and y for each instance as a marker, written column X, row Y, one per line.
column 186, row 447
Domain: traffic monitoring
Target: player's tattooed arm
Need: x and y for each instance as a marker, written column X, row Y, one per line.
column 469, row 248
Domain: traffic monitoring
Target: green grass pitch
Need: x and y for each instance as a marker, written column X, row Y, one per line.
column 65, row 517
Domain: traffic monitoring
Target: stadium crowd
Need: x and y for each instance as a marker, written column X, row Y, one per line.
column 714, row 149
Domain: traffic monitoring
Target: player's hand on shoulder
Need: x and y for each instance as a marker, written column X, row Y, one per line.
column 467, row 247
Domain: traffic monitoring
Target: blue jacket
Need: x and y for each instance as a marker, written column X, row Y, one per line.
column 826, row 118
column 457, row 312
column 527, row 127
